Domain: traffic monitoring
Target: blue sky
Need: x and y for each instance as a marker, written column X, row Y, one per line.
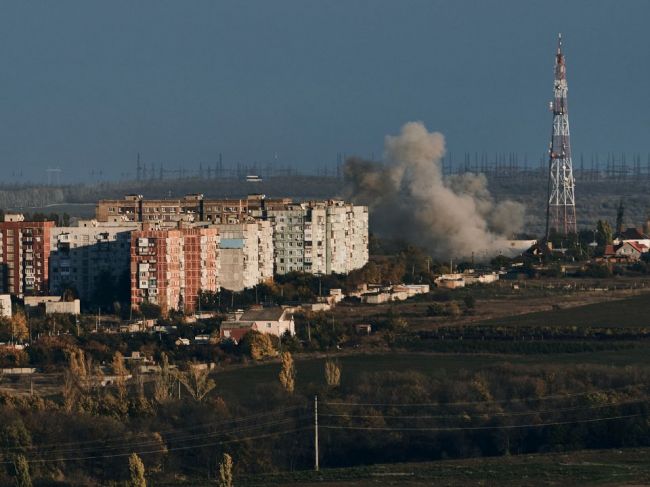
column 88, row 84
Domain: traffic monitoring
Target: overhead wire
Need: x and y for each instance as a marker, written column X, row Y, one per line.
column 170, row 431
column 470, row 403
column 482, row 415
column 475, row 428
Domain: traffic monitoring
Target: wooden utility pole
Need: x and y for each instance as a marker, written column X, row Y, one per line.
column 316, row 467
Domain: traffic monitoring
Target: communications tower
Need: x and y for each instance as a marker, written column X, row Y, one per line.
column 561, row 204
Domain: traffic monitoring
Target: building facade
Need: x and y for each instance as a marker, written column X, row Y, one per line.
column 88, row 255
column 245, row 254
column 24, row 255
column 170, row 266
column 320, row 237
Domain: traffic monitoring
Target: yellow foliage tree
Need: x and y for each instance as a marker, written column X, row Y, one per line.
column 259, row 345
column 225, row 471
column 288, row 372
column 19, row 327
column 332, row 373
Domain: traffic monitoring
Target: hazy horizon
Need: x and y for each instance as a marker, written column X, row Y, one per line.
column 88, row 85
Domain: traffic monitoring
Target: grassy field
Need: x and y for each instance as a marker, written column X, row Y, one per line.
column 585, row 468
column 238, row 382
column 628, row 312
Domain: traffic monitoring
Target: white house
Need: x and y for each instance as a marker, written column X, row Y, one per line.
column 273, row 321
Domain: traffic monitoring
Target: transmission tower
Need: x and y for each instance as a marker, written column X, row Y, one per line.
column 561, row 205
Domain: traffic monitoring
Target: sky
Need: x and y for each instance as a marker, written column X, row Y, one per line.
column 87, row 85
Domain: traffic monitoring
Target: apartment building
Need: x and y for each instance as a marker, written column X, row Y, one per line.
column 81, row 256
column 24, row 255
column 245, row 254
column 317, row 237
column 190, row 208
column 320, row 237
column 170, row 266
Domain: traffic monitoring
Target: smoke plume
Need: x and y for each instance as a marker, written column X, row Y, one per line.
column 409, row 198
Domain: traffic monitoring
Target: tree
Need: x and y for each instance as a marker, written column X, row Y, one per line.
column 19, row 326
column 332, row 373
column 23, row 478
column 604, row 232
column 136, row 469
column 258, row 345
column 120, row 373
column 196, row 381
column 164, row 384
column 288, row 372
column 225, row 471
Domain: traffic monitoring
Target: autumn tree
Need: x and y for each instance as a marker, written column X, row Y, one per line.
column 19, row 327
column 21, row 467
column 75, row 379
column 288, row 372
column 120, row 373
column 225, row 471
column 164, row 383
column 196, row 381
column 258, row 345
column 136, row 469
column 332, row 373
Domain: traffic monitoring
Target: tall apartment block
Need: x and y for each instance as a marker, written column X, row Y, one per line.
column 317, row 237
column 320, row 237
column 169, row 267
column 25, row 251
column 81, row 255
column 245, row 254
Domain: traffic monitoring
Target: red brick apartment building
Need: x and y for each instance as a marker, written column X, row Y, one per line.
column 25, row 248
column 170, row 267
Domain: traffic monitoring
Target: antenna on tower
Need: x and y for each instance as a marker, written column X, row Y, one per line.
column 561, row 205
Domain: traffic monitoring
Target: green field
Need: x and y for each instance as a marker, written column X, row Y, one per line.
column 629, row 312
column 237, row 382
column 584, row 468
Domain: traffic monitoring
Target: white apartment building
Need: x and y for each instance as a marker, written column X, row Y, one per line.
column 80, row 254
column 320, row 237
column 245, row 254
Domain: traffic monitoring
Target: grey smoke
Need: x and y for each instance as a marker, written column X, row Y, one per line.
column 409, row 198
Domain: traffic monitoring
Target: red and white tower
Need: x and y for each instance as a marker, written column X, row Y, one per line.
column 561, row 205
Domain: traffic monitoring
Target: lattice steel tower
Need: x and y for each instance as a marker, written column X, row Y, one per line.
column 561, row 205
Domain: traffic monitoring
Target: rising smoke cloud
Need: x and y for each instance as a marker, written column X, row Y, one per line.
column 409, row 198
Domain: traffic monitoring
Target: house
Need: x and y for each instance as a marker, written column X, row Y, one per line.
column 631, row 250
column 53, row 304
column 631, row 234
column 63, row 307
column 450, row 281
column 273, row 321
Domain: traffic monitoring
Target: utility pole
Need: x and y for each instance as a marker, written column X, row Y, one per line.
column 316, row 466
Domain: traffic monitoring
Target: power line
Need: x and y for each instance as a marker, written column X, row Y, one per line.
column 165, row 450
column 497, row 414
column 475, row 428
column 164, row 432
column 469, row 403
column 169, row 440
